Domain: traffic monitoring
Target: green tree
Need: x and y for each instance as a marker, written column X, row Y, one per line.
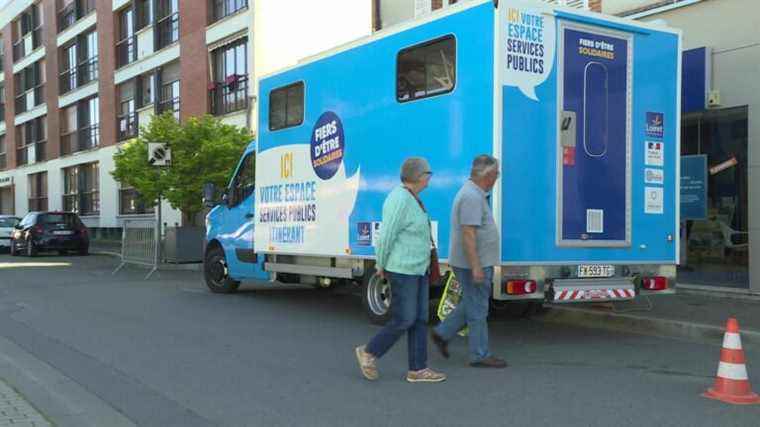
column 203, row 150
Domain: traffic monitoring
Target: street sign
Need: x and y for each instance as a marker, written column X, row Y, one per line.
column 159, row 154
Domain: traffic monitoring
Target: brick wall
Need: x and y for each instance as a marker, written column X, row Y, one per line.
column 194, row 72
column 106, row 29
column 49, row 40
column 10, row 96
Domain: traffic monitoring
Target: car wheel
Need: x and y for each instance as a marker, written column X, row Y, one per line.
column 84, row 251
column 216, row 273
column 62, row 252
column 14, row 252
column 31, row 250
column 376, row 297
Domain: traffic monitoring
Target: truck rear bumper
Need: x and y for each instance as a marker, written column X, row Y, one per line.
column 590, row 290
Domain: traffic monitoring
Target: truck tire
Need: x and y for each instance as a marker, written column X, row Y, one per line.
column 216, row 273
column 376, row 297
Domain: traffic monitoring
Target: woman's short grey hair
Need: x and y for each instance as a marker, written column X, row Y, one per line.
column 483, row 165
column 413, row 169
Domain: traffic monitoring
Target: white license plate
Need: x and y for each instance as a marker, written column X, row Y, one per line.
column 63, row 233
column 596, row 270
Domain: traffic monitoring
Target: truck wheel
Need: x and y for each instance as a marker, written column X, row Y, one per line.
column 216, row 273
column 376, row 297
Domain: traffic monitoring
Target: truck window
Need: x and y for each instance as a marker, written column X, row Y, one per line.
column 427, row 69
column 286, row 105
column 244, row 182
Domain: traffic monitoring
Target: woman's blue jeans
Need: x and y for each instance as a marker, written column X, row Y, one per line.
column 409, row 313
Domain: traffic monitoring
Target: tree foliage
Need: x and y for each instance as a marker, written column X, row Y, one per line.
column 202, row 150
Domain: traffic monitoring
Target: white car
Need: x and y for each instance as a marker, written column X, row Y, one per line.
column 7, row 223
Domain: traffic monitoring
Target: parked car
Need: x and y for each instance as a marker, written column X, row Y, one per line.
column 7, row 222
column 50, row 231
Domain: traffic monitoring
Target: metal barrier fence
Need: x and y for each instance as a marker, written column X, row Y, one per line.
column 139, row 244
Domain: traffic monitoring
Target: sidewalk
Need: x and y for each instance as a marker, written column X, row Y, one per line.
column 15, row 410
column 688, row 314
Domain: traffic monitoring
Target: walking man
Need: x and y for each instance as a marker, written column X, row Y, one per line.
column 473, row 253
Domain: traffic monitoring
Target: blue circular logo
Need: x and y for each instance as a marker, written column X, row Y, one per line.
column 327, row 145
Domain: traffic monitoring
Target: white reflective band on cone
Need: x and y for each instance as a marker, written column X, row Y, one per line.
column 732, row 371
column 732, row 341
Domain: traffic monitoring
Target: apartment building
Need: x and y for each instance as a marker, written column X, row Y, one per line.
column 79, row 77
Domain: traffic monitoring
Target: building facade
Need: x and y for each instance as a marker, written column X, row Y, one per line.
column 81, row 76
column 721, row 124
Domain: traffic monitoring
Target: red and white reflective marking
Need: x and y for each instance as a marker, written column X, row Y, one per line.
column 593, row 294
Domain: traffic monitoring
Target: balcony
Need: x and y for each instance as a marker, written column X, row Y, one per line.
column 168, row 31
column 221, row 9
column 32, row 153
column 80, row 140
column 78, row 76
column 127, row 126
column 229, row 96
column 71, row 14
column 30, row 99
column 126, row 51
column 21, row 47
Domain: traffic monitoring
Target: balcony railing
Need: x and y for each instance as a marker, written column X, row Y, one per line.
column 224, row 8
column 19, row 47
column 80, row 139
column 3, row 161
column 80, row 75
column 126, row 51
column 84, row 203
column 71, row 14
column 40, row 152
column 230, row 95
column 168, row 30
column 21, row 100
column 127, row 126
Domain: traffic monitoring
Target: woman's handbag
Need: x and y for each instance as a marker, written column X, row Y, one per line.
column 434, row 269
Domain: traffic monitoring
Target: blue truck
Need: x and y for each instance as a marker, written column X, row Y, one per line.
column 582, row 109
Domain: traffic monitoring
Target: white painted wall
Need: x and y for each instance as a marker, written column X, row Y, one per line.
column 286, row 31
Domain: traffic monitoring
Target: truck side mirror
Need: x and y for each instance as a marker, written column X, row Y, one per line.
column 209, row 195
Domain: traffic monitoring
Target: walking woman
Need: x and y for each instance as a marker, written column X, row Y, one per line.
column 402, row 258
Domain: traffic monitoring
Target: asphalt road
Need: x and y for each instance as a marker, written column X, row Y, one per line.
column 166, row 352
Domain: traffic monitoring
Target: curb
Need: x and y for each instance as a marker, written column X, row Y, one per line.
column 642, row 325
column 718, row 292
column 61, row 399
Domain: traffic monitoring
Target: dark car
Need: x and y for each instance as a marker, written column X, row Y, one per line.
column 50, row 231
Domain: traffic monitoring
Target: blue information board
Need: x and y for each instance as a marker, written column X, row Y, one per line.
column 694, row 187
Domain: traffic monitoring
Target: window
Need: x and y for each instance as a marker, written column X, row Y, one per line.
column 126, row 47
column 27, row 31
column 146, row 89
column 38, row 192
column 81, row 192
column 286, row 106
column 70, row 11
column 229, row 91
column 30, row 87
column 167, row 79
column 167, row 23
column 144, row 11
column 79, row 60
column 244, row 182
column 127, row 116
column 3, row 153
column 223, row 8
column 426, row 70
column 31, row 138
column 80, row 126
column 2, row 103
column 130, row 203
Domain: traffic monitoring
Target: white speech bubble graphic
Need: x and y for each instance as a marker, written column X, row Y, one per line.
column 527, row 48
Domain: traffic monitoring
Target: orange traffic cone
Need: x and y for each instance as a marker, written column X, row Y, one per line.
column 732, row 383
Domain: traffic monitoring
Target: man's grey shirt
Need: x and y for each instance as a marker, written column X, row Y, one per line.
column 471, row 208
